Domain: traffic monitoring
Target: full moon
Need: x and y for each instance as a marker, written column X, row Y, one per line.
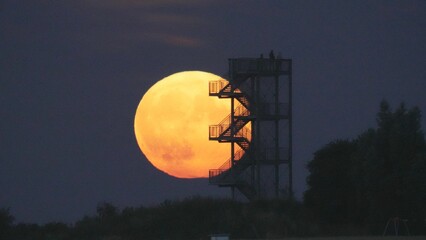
column 171, row 125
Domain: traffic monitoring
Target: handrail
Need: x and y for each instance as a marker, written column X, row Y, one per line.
column 225, row 121
column 226, row 165
column 217, row 85
column 244, row 132
column 241, row 111
column 244, row 100
column 259, row 65
column 217, row 129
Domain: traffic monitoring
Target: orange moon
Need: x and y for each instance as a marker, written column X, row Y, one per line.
column 172, row 125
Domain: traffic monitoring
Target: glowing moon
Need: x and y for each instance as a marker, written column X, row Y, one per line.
column 171, row 125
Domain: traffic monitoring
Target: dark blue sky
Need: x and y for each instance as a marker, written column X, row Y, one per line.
column 72, row 74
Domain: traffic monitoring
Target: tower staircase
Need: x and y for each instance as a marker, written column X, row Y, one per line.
column 234, row 128
column 258, row 128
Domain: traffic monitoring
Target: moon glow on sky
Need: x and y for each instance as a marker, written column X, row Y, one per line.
column 171, row 125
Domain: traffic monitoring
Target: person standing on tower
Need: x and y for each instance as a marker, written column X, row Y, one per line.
column 272, row 55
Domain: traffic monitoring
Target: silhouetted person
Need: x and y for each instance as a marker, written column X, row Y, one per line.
column 271, row 54
column 260, row 63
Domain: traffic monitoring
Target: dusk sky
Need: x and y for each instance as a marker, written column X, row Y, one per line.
column 72, row 73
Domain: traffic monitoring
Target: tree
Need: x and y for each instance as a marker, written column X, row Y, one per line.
column 6, row 220
column 379, row 175
column 395, row 169
column 330, row 190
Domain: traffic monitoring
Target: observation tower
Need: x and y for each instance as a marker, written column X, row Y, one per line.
column 258, row 128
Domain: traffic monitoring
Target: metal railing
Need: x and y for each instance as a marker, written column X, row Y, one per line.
column 244, row 132
column 218, row 129
column 214, row 173
column 217, row 86
column 259, row 65
column 240, row 110
column 226, row 165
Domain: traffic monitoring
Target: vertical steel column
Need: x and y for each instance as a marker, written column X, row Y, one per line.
column 253, row 132
column 276, row 139
column 257, row 137
column 232, row 132
column 231, row 80
column 290, row 124
column 231, row 125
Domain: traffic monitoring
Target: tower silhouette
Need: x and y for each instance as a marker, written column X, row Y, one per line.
column 258, row 128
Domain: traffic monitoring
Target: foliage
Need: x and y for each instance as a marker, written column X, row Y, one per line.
column 6, row 220
column 331, row 191
column 355, row 186
column 378, row 176
column 192, row 218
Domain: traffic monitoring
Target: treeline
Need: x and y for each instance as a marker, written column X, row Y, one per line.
column 192, row 218
column 380, row 175
column 354, row 188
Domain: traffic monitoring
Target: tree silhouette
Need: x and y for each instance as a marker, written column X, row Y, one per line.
column 399, row 158
column 377, row 176
column 6, row 220
column 331, row 190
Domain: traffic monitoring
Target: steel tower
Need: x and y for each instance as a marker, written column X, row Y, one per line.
column 258, row 128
